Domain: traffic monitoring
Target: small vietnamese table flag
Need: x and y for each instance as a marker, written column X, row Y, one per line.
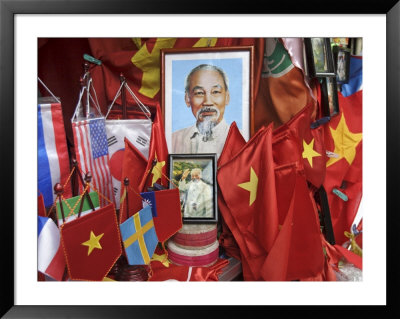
column 92, row 244
column 139, row 237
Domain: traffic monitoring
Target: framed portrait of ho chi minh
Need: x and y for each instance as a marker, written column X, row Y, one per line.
column 196, row 178
column 205, row 90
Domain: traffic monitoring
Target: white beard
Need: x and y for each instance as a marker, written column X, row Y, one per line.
column 207, row 124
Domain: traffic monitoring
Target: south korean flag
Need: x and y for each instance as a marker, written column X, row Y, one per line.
column 138, row 131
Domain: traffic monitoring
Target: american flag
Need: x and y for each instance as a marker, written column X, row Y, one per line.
column 91, row 149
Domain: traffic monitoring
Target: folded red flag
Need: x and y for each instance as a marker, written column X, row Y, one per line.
column 247, row 184
column 343, row 137
column 299, row 141
column 133, row 168
column 169, row 217
column 234, row 142
column 156, row 172
column 92, row 244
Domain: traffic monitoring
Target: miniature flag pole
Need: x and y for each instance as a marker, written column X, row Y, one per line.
column 123, row 96
column 78, row 171
column 126, row 183
column 87, row 83
column 59, row 190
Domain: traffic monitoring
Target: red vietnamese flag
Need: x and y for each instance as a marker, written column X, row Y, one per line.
column 247, row 184
column 310, row 141
column 298, row 248
column 133, row 168
column 158, row 155
column 299, row 237
column 343, row 137
column 233, row 143
column 91, row 244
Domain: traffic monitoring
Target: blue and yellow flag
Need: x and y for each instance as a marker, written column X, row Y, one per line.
column 139, row 237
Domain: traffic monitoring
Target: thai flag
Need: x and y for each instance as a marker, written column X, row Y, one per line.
column 53, row 158
column 51, row 261
column 91, row 148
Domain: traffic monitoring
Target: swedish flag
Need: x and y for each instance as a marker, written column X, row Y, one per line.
column 139, row 237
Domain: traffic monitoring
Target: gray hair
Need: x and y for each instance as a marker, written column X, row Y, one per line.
column 196, row 171
column 207, row 67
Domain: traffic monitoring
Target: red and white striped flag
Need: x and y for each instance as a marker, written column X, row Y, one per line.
column 91, row 151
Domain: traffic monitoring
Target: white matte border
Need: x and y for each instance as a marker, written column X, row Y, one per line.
column 371, row 291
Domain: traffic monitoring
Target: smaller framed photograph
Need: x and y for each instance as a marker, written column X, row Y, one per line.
column 341, row 57
column 319, row 57
column 195, row 176
column 329, row 93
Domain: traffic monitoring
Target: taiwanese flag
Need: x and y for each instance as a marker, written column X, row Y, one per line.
column 156, row 170
column 233, row 143
column 166, row 209
column 343, row 138
column 133, row 168
column 247, row 184
column 92, row 244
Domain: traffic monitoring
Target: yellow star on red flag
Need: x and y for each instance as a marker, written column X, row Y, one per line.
column 157, row 170
column 345, row 142
column 93, row 242
column 308, row 151
column 251, row 186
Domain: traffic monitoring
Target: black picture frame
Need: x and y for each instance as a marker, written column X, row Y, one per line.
column 8, row 12
column 319, row 57
column 341, row 57
column 198, row 193
column 329, row 94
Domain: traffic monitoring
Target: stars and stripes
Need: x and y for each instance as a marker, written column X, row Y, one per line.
column 91, row 147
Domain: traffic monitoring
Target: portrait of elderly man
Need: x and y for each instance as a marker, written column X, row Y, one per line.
column 207, row 94
column 198, row 195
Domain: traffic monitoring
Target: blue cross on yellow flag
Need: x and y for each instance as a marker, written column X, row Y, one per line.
column 139, row 237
